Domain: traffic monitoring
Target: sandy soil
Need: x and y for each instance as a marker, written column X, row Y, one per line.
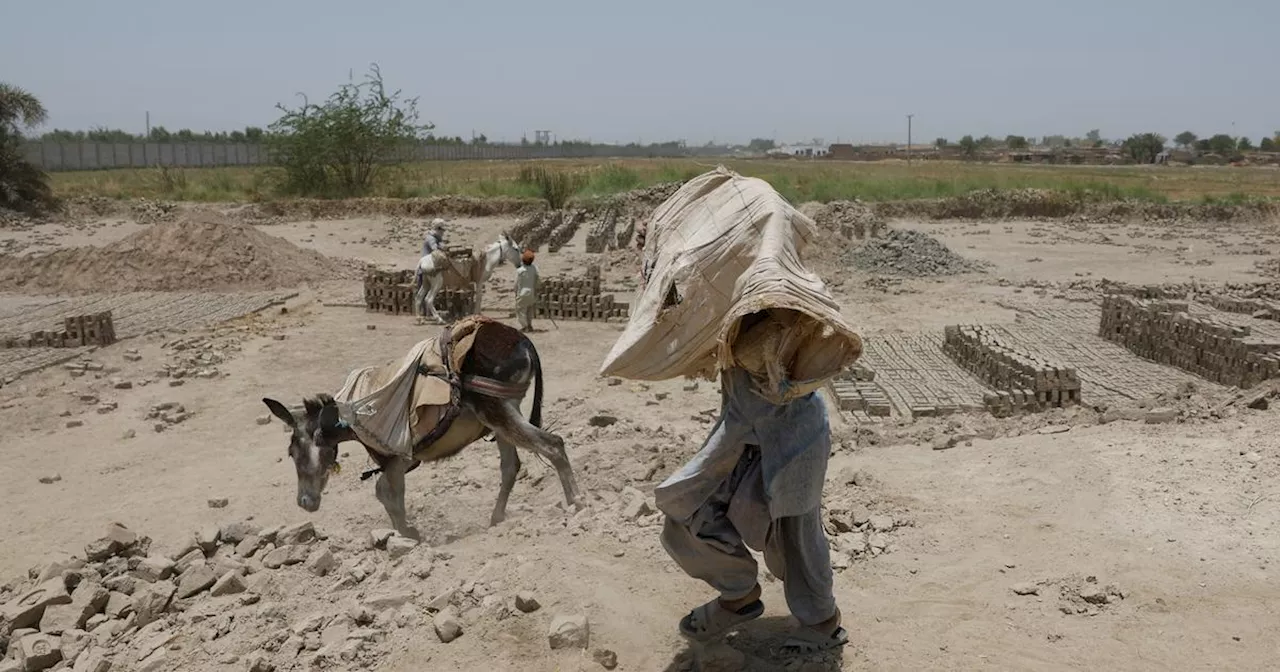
column 1179, row 518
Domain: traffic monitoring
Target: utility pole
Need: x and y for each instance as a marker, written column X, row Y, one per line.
column 148, row 124
column 909, row 138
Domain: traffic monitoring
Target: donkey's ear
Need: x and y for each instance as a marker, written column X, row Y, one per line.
column 278, row 409
column 329, row 419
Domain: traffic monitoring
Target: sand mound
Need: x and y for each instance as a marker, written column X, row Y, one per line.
column 911, row 253
column 200, row 251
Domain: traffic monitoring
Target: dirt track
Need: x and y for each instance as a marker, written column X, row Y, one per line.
column 1178, row 518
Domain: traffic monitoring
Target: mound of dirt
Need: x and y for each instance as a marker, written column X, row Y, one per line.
column 1087, row 206
column 911, row 253
column 446, row 206
column 852, row 219
column 200, row 251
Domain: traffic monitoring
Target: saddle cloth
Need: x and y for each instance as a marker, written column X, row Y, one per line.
column 413, row 403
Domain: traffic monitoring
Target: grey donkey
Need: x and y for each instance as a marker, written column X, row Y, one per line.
column 317, row 431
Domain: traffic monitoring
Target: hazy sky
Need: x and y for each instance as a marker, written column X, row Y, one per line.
column 663, row 69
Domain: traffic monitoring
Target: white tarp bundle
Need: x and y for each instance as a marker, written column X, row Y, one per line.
column 728, row 246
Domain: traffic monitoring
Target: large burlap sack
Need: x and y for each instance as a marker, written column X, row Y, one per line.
column 722, row 247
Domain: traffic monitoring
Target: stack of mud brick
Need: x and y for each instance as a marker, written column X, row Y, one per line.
column 563, row 232
column 1022, row 381
column 579, row 299
column 1163, row 331
column 78, row 331
column 392, row 292
column 602, row 235
column 857, row 392
column 1259, row 308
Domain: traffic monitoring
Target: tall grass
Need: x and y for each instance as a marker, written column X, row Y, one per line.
column 560, row 180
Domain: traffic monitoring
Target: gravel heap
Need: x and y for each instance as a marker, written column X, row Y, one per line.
column 911, row 253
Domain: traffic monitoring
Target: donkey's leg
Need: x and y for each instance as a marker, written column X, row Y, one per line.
column 437, row 281
column 510, row 469
column 390, row 491
column 506, row 422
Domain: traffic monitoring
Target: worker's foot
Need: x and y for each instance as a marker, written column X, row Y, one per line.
column 719, row 616
column 828, row 634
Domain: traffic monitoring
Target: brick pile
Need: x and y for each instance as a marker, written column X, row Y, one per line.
column 579, row 299
column 78, row 331
column 392, row 292
column 1163, row 331
column 1023, row 381
column 603, row 233
column 563, row 232
column 857, row 392
column 533, row 232
column 1258, row 308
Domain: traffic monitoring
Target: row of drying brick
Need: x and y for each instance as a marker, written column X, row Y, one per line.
column 604, row 234
column 1258, row 308
column 1021, row 380
column 1165, row 332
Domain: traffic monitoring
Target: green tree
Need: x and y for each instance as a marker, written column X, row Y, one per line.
column 941, row 143
column 1267, row 145
column 1015, row 142
column 1244, row 144
column 23, row 185
column 761, row 145
column 986, row 142
column 1143, row 147
column 968, row 145
column 1094, row 137
column 1220, row 143
column 336, row 148
column 1185, row 139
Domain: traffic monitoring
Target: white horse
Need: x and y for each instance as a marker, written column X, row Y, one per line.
column 429, row 276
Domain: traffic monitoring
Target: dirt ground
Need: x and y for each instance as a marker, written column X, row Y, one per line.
column 1179, row 519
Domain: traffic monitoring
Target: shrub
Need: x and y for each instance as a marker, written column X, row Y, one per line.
column 336, row 148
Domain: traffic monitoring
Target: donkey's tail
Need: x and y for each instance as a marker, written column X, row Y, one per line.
column 535, row 413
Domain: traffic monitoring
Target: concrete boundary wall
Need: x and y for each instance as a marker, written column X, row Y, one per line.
column 60, row 156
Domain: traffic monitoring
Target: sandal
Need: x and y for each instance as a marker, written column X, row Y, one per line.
column 808, row 640
column 713, row 619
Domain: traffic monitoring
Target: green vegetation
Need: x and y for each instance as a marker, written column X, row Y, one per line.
column 799, row 181
column 1143, row 147
column 23, row 186
column 338, row 147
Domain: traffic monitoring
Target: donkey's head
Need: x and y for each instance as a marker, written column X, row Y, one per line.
column 509, row 249
column 313, row 444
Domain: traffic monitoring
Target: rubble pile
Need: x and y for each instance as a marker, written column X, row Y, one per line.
column 911, row 253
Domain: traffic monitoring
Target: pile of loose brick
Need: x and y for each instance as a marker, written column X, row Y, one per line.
column 1163, row 331
column 78, row 331
column 1023, row 382
column 392, row 292
column 857, row 392
column 579, row 299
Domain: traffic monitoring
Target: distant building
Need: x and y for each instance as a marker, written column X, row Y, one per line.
column 805, row 151
column 842, row 151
